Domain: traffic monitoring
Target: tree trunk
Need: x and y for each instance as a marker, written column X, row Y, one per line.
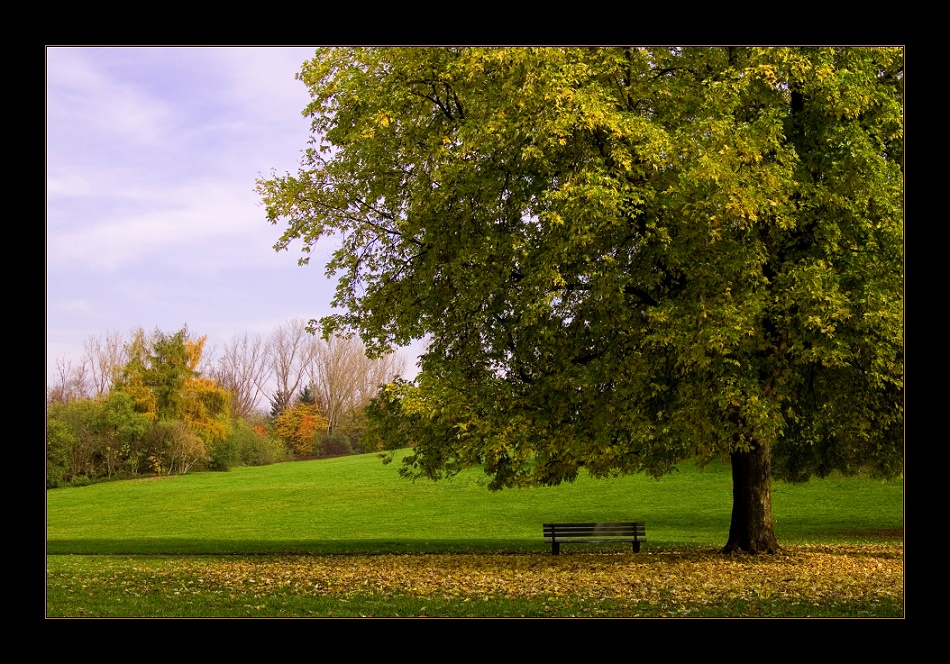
column 751, row 527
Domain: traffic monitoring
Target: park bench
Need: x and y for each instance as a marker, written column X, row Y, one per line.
column 627, row 531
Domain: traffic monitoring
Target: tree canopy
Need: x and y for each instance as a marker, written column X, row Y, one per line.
column 623, row 257
column 162, row 378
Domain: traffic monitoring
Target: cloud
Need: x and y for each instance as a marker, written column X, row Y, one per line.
column 144, row 163
column 188, row 220
column 84, row 95
column 82, row 306
column 151, row 214
column 248, row 75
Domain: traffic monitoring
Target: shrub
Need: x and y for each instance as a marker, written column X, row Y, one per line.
column 225, row 453
column 74, row 440
column 173, row 447
column 334, row 444
column 246, row 445
column 58, row 441
column 264, row 449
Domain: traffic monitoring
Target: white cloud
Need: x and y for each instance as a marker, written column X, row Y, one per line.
column 82, row 306
column 263, row 81
column 152, row 219
column 82, row 95
column 186, row 221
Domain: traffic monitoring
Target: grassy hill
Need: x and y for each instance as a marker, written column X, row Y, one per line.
column 358, row 505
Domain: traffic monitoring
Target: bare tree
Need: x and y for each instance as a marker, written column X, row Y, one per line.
column 105, row 356
column 244, row 369
column 289, row 351
column 344, row 379
column 71, row 382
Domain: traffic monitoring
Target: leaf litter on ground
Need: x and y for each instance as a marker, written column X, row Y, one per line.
column 663, row 578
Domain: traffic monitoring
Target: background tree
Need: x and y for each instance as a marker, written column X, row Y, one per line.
column 73, row 440
column 290, row 349
column 189, row 410
column 59, row 440
column 170, row 365
column 306, row 396
column 625, row 257
column 299, row 427
column 132, row 377
column 243, row 370
column 279, row 403
column 71, row 382
column 105, row 357
column 344, row 379
column 93, row 375
column 155, row 412
column 205, row 408
column 124, row 429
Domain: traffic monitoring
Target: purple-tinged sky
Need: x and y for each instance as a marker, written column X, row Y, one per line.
column 151, row 215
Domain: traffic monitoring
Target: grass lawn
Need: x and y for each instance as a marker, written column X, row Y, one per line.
column 318, row 538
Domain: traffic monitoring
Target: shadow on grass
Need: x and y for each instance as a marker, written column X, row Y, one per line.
column 198, row 547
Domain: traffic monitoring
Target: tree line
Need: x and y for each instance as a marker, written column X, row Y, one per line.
column 163, row 403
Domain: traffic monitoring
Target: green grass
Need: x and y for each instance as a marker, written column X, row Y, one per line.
column 358, row 505
column 153, row 547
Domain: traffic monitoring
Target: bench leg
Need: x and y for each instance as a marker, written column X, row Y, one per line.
column 555, row 548
column 636, row 547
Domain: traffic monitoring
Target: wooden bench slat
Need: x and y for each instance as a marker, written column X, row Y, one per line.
column 576, row 531
column 592, row 524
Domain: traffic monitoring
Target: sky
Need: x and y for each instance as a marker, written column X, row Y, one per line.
column 151, row 216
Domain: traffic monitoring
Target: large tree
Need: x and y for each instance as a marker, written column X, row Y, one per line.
column 624, row 257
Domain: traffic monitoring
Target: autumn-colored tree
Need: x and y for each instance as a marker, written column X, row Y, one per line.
column 205, row 407
column 298, row 427
column 162, row 378
column 132, row 378
column 171, row 364
column 204, row 404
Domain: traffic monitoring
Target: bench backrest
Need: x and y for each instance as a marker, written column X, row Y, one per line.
column 611, row 529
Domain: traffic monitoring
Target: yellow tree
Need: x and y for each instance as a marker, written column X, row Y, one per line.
column 162, row 378
column 298, row 426
column 132, row 377
column 204, row 404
